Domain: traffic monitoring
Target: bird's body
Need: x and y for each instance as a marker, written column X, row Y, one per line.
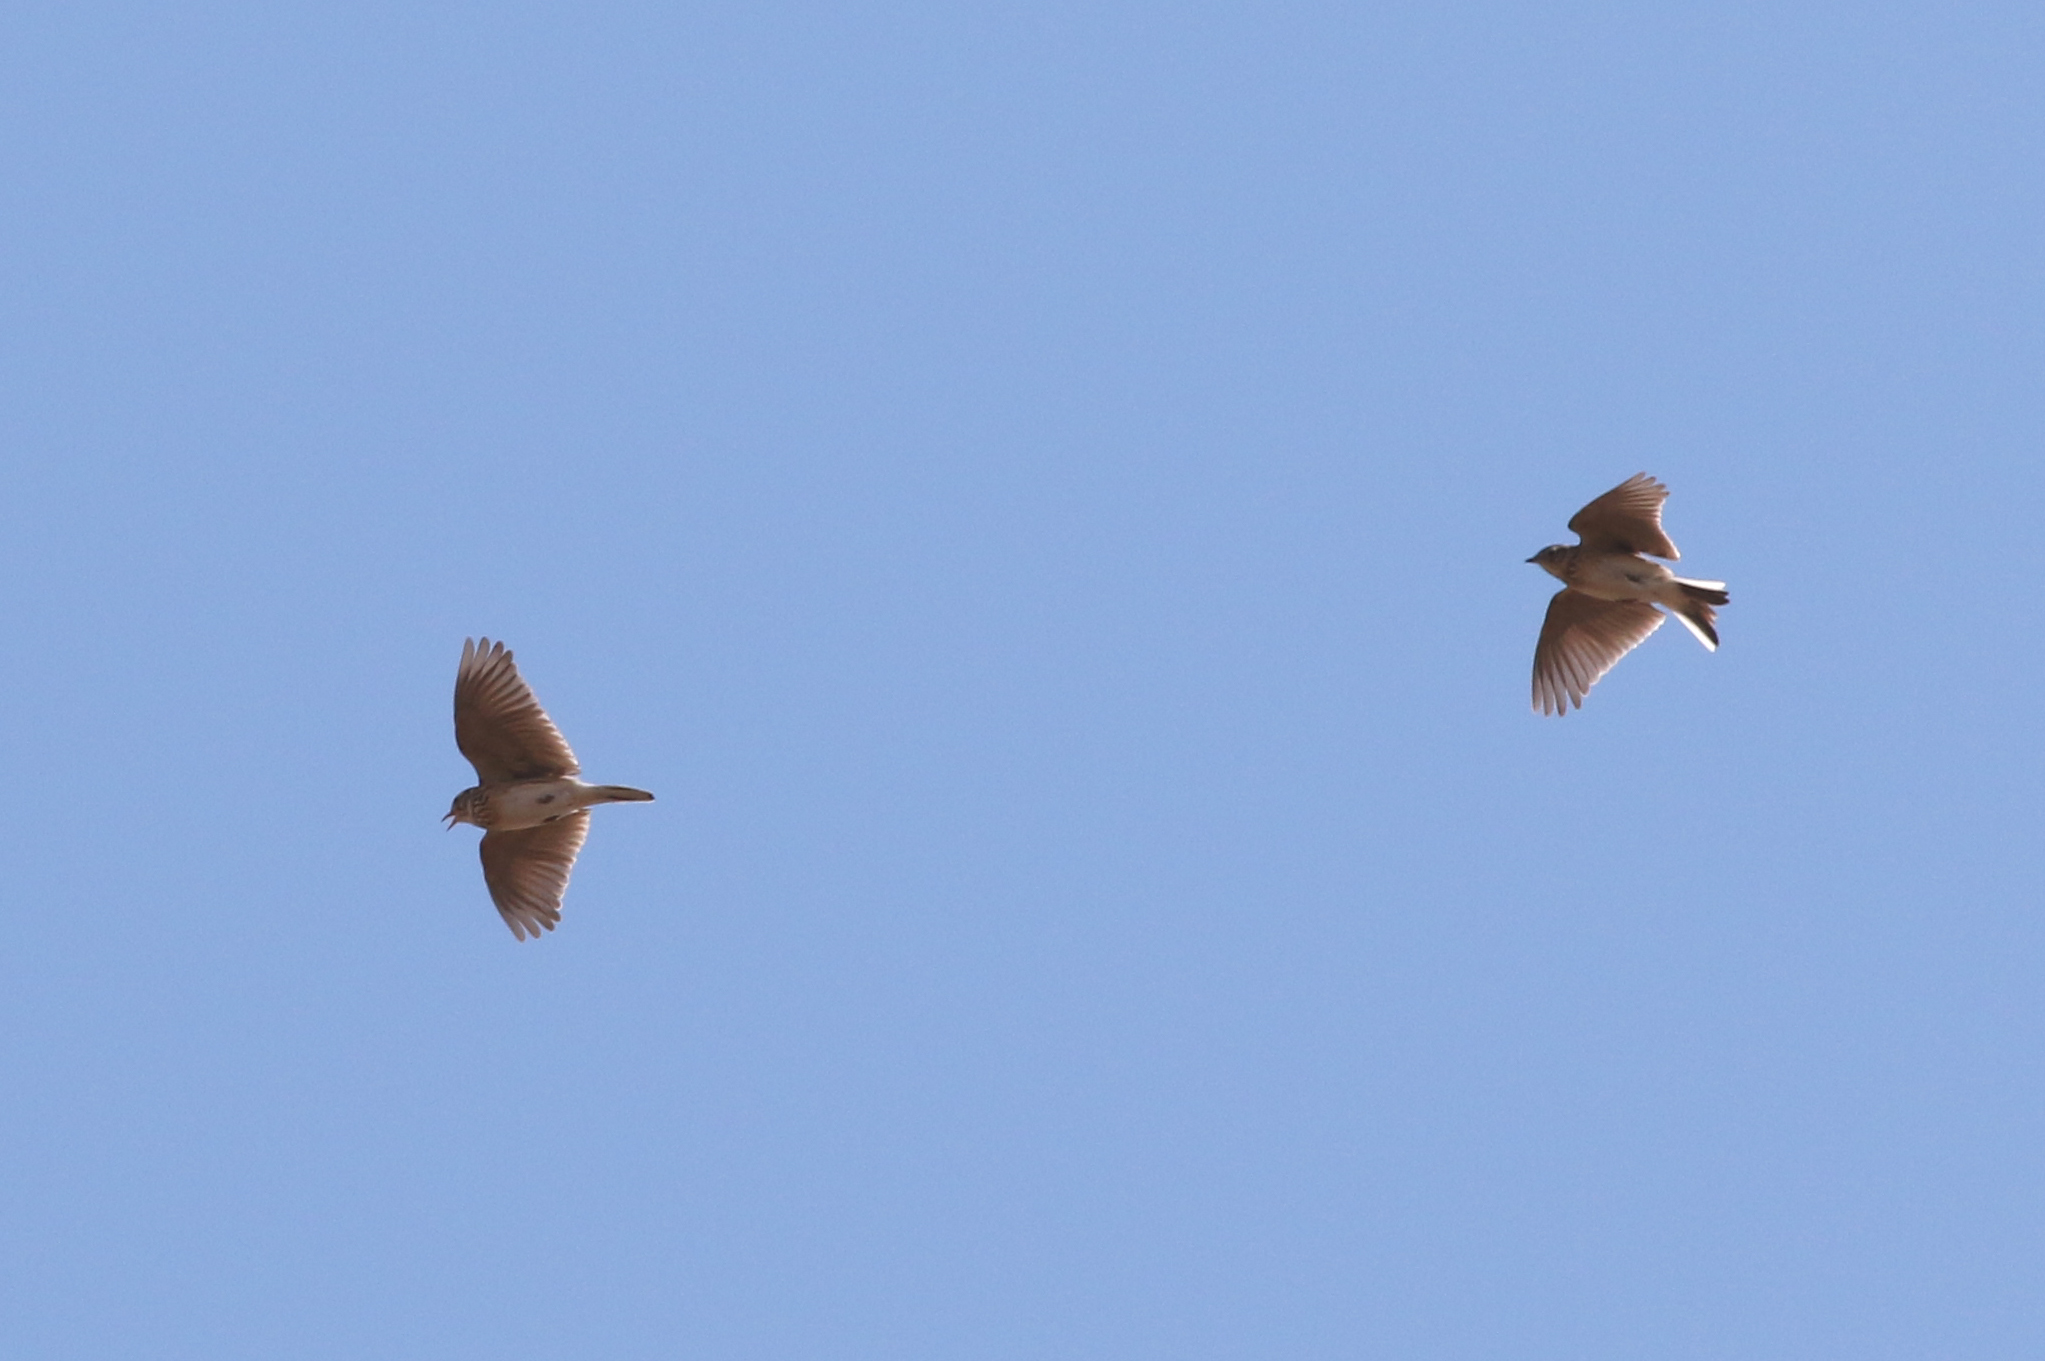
column 1606, row 606
column 1628, row 576
column 529, row 803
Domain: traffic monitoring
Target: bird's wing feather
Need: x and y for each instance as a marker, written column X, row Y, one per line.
column 498, row 724
column 1581, row 639
column 1627, row 519
column 527, row 871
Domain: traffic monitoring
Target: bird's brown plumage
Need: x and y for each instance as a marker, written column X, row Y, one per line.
column 1611, row 588
column 1581, row 639
column 533, row 809
column 498, row 724
column 527, row 871
column 1627, row 519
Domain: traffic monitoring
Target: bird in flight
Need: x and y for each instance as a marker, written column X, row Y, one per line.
column 1606, row 606
column 533, row 811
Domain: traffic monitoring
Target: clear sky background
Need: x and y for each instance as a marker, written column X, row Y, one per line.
column 1039, row 491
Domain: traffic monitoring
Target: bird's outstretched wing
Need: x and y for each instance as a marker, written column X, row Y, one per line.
column 498, row 724
column 1627, row 519
column 1581, row 639
column 527, row 871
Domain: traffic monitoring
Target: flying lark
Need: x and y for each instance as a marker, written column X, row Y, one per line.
column 533, row 811
column 1602, row 611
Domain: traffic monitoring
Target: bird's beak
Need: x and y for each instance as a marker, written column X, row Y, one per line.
column 1535, row 558
column 449, row 820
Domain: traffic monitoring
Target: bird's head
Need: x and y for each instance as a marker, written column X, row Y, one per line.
column 464, row 809
column 1553, row 559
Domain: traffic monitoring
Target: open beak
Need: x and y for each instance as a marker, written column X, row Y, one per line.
column 449, row 820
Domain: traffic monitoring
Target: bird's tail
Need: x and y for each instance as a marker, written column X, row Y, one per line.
column 1694, row 608
column 1710, row 592
column 618, row 793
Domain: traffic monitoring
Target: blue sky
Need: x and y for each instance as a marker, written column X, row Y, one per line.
column 1039, row 492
